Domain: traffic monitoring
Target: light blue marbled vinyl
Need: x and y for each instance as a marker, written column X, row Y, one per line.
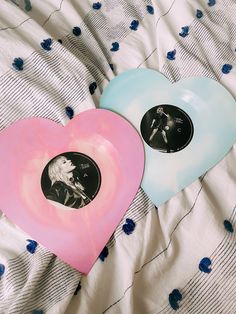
column 211, row 108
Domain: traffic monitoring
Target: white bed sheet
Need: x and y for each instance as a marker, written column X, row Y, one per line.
column 164, row 251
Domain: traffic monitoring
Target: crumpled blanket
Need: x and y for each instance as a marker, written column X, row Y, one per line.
column 180, row 256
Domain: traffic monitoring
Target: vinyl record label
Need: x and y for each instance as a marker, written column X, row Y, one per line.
column 166, row 128
column 71, row 179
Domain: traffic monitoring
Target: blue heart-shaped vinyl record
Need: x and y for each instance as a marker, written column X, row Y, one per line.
column 187, row 127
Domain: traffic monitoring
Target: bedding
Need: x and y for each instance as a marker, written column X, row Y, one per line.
column 56, row 58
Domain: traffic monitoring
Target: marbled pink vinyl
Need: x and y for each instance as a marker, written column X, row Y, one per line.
column 76, row 236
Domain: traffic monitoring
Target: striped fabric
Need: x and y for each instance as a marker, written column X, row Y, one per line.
column 38, row 280
column 164, row 250
column 215, row 34
column 213, row 293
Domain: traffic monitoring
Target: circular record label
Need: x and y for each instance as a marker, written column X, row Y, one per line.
column 166, row 128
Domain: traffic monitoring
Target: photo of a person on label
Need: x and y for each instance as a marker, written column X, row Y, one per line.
column 159, row 124
column 65, row 188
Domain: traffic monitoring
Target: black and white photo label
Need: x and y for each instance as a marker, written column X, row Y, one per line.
column 167, row 128
column 71, row 179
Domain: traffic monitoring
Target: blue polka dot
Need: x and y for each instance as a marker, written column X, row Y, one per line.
column 211, row 3
column 97, row 6
column 46, row 44
column 69, row 112
column 226, row 68
column 204, row 265
column 129, row 226
column 28, row 6
column 31, row 247
column 2, row 270
column 228, row 226
column 184, row 32
column 115, row 46
column 174, row 297
column 171, row 55
column 150, row 9
column 199, row 14
column 92, row 88
column 37, row 312
column 134, row 25
column 76, row 31
column 18, row 64
column 104, row 254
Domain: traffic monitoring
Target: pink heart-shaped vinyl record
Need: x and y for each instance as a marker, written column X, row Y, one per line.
column 69, row 187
